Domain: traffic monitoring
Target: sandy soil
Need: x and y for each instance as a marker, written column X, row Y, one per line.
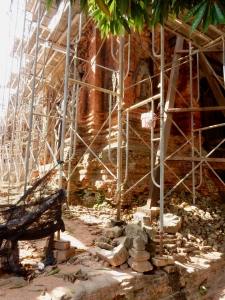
column 82, row 236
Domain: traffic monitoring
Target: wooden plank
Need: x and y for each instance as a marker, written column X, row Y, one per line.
column 196, row 109
column 153, row 196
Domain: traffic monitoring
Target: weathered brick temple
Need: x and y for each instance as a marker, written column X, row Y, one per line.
column 37, row 113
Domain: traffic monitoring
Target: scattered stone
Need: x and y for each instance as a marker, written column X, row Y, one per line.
column 191, row 237
column 105, row 246
column 124, row 266
column 62, row 255
column 151, row 248
column 61, row 244
column 141, row 266
column 141, row 219
column 133, row 230
column 186, row 250
column 106, row 264
column 170, row 269
column 170, row 247
column 117, row 222
column 115, row 257
column 108, row 224
column 181, row 257
column 138, row 243
column 113, row 232
column 171, row 223
column 150, row 231
column 127, row 242
column 18, row 281
column 215, row 247
column 67, row 292
column 139, row 255
column 161, row 261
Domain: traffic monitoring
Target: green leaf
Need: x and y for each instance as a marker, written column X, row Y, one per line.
column 48, row 4
column 83, row 5
column 140, row 25
column 192, row 11
column 112, row 7
column 100, row 23
column 214, row 16
column 219, row 13
column 121, row 28
column 164, row 12
column 107, row 30
column 147, row 19
column 123, row 5
column 126, row 26
column 173, row 2
column 104, row 8
column 207, row 19
column 142, row 4
column 156, row 13
column 96, row 13
column 137, row 14
column 174, row 16
column 198, row 17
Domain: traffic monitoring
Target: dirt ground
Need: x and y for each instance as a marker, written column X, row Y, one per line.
column 82, row 231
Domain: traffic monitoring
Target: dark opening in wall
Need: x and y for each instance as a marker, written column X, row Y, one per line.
column 212, row 137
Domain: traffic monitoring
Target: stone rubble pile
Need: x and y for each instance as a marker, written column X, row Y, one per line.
column 203, row 224
column 188, row 230
column 133, row 249
column 139, row 256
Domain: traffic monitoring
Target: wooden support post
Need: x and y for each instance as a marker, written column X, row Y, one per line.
column 170, row 99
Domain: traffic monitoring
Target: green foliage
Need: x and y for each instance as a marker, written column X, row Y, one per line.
column 101, row 201
column 202, row 290
column 90, row 196
column 116, row 16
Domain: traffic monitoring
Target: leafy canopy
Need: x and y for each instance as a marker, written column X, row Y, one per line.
column 116, row 16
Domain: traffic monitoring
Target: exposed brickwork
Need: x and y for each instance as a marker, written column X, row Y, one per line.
column 90, row 174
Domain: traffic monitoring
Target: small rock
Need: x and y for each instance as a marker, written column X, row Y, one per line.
column 142, row 266
column 106, row 264
column 161, row 261
column 141, row 219
column 138, row 243
column 171, row 223
column 139, row 255
column 108, row 224
column 115, row 257
column 124, row 266
column 181, row 257
column 133, row 230
column 113, row 232
column 150, row 231
column 127, row 242
column 170, row 269
column 105, row 246
column 191, row 237
column 215, row 247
